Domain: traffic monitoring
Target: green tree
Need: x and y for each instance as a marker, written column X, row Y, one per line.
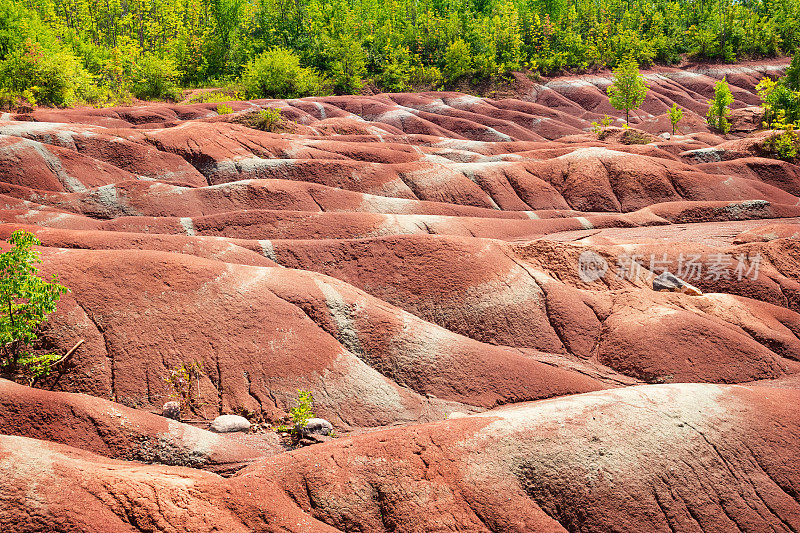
column 457, row 60
column 628, row 88
column 348, row 66
column 675, row 116
column 25, row 302
column 719, row 109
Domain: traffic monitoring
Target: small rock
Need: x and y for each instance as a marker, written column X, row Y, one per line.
column 666, row 135
column 668, row 281
column 172, row 410
column 230, row 423
column 318, row 426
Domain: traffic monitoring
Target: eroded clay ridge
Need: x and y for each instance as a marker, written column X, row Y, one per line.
column 411, row 258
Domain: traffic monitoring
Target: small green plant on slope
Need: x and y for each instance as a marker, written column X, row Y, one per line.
column 25, row 301
column 719, row 107
column 599, row 128
column 184, row 380
column 675, row 116
column 300, row 414
column 223, row 109
column 628, row 88
column 268, row 119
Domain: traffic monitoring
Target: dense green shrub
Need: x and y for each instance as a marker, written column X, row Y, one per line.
column 348, row 66
column 783, row 143
column 52, row 77
column 267, row 119
column 277, row 74
column 396, row 69
column 394, row 44
column 154, row 79
column 781, row 98
column 457, row 60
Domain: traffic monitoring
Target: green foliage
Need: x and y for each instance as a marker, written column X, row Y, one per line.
column 675, row 115
column 348, row 66
column 393, row 44
column 25, row 302
column 628, row 88
column 429, row 77
column 300, row 414
column 719, row 110
column 223, row 109
column 184, row 382
column 396, row 71
column 45, row 77
column 214, row 96
column 154, row 79
column 267, row 119
column 457, row 60
column 781, row 102
column 277, row 74
column 792, row 79
column 600, row 128
column 783, row 144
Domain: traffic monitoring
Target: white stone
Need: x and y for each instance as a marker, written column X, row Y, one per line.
column 230, row 423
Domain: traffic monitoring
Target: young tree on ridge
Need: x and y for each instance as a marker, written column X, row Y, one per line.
column 628, row 89
column 675, row 116
column 719, row 109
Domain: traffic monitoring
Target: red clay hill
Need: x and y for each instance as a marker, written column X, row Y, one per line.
column 466, row 286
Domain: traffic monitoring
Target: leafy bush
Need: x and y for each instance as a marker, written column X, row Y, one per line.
column 783, row 144
column 457, row 60
column 600, row 128
column 628, row 88
column 45, row 77
column 396, row 69
column 792, row 79
column 781, row 98
column 267, row 119
column 155, row 79
column 427, row 76
column 25, row 302
column 719, row 110
column 300, row 414
column 223, row 109
column 214, row 96
column 277, row 74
